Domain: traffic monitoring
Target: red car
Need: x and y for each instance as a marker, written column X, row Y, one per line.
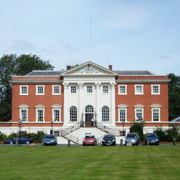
column 89, row 140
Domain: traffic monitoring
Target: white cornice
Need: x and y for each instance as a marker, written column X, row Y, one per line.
column 143, row 81
column 49, row 81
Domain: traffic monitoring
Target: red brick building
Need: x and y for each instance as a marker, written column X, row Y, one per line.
column 42, row 99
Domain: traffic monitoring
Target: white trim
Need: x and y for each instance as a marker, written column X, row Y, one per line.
column 24, row 94
column 137, row 108
column 137, row 93
column 40, row 107
column 56, row 107
column 37, row 90
column 119, row 93
column 23, row 107
column 53, row 93
column 158, row 93
column 156, row 107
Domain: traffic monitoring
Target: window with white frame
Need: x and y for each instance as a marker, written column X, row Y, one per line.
column 155, row 108
column 73, row 90
column 155, row 115
column 23, row 109
column 139, row 89
column 24, row 115
column 155, row 89
column 122, row 112
column 40, row 113
column 40, row 90
column 89, row 89
column 23, row 90
column 139, row 114
column 106, row 89
column 122, row 89
column 73, row 114
column 56, row 89
column 105, row 114
column 122, row 115
column 56, row 113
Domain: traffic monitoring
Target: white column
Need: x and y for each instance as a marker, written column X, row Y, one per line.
column 80, row 98
column 65, row 104
column 97, row 102
column 113, row 110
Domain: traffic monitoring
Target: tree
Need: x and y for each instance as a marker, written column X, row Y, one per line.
column 174, row 96
column 15, row 65
column 137, row 128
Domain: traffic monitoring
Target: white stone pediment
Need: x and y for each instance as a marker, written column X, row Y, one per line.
column 89, row 68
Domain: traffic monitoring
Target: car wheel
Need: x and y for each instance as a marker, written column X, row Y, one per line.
column 27, row 142
column 11, row 142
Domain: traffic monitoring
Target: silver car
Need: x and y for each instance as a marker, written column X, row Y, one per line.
column 132, row 138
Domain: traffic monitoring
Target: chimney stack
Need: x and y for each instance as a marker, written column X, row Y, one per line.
column 110, row 67
column 68, row 67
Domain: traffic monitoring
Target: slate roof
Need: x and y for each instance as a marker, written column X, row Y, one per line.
column 134, row 73
column 44, row 73
column 58, row 73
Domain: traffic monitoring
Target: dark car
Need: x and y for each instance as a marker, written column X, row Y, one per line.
column 152, row 138
column 23, row 140
column 50, row 139
column 89, row 140
column 132, row 138
column 109, row 140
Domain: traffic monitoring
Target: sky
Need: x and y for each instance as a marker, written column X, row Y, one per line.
column 127, row 34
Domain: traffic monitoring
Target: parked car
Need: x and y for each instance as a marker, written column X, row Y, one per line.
column 132, row 138
column 89, row 140
column 49, row 139
column 153, row 139
column 109, row 140
column 23, row 140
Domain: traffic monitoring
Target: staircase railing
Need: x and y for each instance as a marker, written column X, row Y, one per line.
column 107, row 129
column 71, row 138
column 70, row 129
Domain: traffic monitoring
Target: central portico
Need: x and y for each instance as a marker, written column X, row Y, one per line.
column 89, row 95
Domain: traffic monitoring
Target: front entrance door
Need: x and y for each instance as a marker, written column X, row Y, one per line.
column 89, row 117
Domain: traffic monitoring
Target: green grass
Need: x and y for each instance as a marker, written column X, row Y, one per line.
column 46, row 163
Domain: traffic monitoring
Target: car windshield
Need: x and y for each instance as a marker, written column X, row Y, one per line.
column 49, row 136
column 89, row 137
column 151, row 135
column 108, row 137
column 131, row 136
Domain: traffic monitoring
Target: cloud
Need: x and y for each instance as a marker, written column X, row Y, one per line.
column 165, row 57
column 22, row 45
column 127, row 16
column 132, row 32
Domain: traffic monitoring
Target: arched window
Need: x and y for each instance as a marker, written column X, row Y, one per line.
column 89, row 109
column 105, row 113
column 73, row 113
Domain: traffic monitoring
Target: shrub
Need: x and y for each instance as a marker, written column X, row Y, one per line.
column 161, row 133
column 137, row 128
column 3, row 137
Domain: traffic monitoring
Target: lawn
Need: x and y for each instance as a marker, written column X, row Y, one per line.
column 76, row 162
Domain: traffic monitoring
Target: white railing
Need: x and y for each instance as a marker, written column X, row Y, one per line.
column 70, row 129
column 71, row 138
column 109, row 130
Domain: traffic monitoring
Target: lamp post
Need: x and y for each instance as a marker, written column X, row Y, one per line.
column 52, row 126
column 123, row 122
column 82, row 123
column 142, row 123
column 95, row 114
column 20, row 122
